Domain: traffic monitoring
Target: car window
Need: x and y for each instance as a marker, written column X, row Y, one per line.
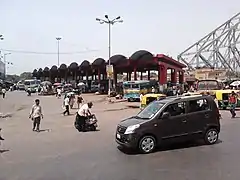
column 150, row 110
column 198, row 105
column 176, row 109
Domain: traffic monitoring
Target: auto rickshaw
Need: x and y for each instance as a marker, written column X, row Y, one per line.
column 148, row 98
column 222, row 98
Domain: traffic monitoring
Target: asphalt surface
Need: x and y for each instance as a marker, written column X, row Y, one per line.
column 59, row 152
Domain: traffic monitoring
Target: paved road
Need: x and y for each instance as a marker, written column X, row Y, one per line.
column 61, row 153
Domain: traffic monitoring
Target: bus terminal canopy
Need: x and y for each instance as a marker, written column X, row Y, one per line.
column 139, row 61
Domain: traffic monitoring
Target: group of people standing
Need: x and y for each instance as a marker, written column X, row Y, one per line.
column 69, row 101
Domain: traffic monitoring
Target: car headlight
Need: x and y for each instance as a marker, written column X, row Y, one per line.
column 131, row 129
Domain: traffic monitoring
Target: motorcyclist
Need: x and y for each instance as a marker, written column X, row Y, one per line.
column 83, row 113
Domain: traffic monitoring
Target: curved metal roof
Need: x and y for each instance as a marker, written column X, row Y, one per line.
column 73, row 65
column 118, row 59
column 54, row 68
column 46, row 69
column 63, row 66
column 99, row 62
column 141, row 55
column 85, row 64
column 40, row 70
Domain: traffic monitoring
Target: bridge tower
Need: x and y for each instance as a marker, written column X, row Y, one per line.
column 219, row 49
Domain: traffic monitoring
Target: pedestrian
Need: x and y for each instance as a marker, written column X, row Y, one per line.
column 141, row 97
column 232, row 103
column 36, row 115
column 59, row 92
column 153, row 90
column 79, row 100
column 66, row 105
column 4, row 92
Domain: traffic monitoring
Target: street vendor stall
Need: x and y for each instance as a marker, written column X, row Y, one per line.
column 46, row 88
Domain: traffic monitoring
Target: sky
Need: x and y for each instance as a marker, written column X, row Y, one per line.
column 158, row 26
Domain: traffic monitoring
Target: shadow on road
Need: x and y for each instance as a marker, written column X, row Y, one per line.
column 44, row 130
column 168, row 147
column 4, row 150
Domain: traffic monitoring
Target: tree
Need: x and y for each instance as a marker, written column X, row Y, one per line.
column 26, row 75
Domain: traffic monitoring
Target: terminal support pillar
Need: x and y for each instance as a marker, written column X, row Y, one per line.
column 181, row 77
column 99, row 75
column 162, row 74
column 149, row 73
column 173, row 76
column 135, row 73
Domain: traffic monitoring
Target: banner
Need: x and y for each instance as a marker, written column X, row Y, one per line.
column 109, row 70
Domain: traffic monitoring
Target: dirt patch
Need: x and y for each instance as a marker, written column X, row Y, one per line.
column 22, row 107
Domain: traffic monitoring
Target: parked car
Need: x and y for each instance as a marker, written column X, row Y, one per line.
column 171, row 119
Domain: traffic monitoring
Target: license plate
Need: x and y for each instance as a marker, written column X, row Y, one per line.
column 118, row 136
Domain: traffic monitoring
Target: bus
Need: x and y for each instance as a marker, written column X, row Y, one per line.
column 133, row 89
column 32, row 83
column 208, row 86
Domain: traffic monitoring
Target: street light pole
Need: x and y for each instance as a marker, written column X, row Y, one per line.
column 58, row 41
column 6, row 62
column 109, row 22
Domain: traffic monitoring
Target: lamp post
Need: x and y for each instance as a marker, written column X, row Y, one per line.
column 109, row 22
column 6, row 62
column 58, row 41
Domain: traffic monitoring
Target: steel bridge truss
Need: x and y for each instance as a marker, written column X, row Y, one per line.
column 219, row 49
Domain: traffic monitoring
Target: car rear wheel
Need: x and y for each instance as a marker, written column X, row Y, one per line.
column 211, row 136
column 147, row 144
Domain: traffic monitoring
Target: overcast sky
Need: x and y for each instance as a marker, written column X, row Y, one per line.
column 158, row 26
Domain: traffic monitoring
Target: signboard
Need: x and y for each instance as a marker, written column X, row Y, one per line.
column 109, row 70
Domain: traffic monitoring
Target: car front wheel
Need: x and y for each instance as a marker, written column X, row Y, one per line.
column 147, row 144
column 211, row 136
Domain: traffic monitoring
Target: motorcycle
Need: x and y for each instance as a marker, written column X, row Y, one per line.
column 90, row 123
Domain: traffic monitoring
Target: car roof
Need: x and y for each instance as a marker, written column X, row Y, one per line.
column 154, row 95
column 170, row 99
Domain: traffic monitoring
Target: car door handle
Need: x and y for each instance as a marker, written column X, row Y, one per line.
column 184, row 121
column 206, row 116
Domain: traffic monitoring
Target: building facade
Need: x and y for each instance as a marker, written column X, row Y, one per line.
column 2, row 70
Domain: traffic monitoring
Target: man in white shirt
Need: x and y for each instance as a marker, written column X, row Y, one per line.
column 36, row 115
column 59, row 92
column 66, row 104
column 141, row 96
column 83, row 113
column 3, row 92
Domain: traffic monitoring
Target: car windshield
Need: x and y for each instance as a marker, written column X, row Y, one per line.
column 150, row 110
column 27, row 83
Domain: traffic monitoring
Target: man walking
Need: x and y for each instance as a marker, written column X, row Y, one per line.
column 232, row 103
column 3, row 92
column 36, row 115
column 66, row 104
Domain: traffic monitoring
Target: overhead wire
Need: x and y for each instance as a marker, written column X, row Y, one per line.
column 47, row 53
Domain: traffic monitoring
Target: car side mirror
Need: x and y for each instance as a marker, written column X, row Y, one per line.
column 165, row 115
